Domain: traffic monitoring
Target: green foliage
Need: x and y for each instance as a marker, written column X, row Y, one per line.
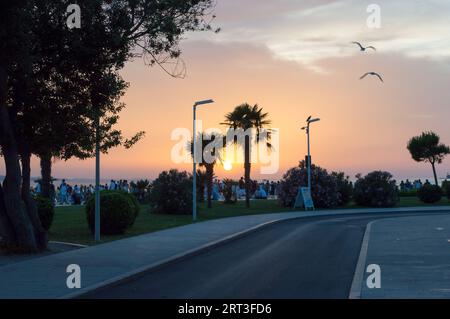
column 345, row 188
column 427, row 148
column 325, row 191
column 118, row 212
column 430, row 194
column 377, row 189
column 171, row 193
column 446, row 188
column 132, row 198
column 46, row 211
column 141, row 190
column 58, row 86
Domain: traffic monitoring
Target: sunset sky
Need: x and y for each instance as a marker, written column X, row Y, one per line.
column 295, row 58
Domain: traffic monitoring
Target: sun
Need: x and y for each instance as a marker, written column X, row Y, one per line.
column 227, row 165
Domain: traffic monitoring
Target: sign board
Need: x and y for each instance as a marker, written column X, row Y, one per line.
column 304, row 199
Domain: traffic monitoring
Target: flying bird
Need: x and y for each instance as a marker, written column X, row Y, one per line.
column 374, row 74
column 363, row 49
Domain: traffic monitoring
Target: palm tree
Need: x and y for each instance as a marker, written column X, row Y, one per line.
column 202, row 178
column 246, row 117
column 209, row 158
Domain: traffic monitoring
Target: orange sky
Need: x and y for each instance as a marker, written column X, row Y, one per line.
column 365, row 124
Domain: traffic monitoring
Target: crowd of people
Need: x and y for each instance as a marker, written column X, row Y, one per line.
column 259, row 190
column 407, row 186
column 67, row 194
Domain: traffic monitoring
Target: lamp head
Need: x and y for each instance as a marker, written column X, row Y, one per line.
column 203, row 102
column 313, row 120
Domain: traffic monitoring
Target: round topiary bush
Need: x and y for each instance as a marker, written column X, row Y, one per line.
column 117, row 212
column 430, row 194
column 325, row 192
column 134, row 201
column 377, row 189
column 46, row 211
column 171, row 193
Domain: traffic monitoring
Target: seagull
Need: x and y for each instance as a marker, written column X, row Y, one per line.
column 374, row 74
column 363, row 49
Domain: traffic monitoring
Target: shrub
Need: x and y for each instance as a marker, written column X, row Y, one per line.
column 136, row 205
column 325, row 192
column 171, row 193
column 446, row 188
column 230, row 196
column 430, row 194
column 46, row 211
column 117, row 213
column 345, row 188
column 133, row 200
column 140, row 190
column 377, row 189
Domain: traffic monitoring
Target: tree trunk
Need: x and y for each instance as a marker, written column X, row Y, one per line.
column 247, row 168
column 209, row 183
column 30, row 204
column 434, row 173
column 8, row 238
column 46, row 175
column 19, row 222
column 13, row 202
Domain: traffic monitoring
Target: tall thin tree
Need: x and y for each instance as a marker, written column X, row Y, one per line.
column 428, row 148
column 254, row 124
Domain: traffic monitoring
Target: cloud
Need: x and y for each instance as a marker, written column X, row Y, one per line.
column 309, row 31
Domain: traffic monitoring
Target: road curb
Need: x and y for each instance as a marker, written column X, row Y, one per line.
column 358, row 277
column 195, row 251
column 155, row 266
column 68, row 244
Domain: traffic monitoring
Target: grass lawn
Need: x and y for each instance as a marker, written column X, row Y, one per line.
column 69, row 224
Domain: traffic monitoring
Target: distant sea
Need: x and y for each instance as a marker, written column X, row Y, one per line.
column 91, row 181
column 85, row 181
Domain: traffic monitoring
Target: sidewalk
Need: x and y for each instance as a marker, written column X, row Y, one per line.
column 414, row 256
column 45, row 277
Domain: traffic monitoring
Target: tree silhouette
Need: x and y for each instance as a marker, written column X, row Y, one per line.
column 427, row 148
column 40, row 58
column 245, row 118
column 209, row 146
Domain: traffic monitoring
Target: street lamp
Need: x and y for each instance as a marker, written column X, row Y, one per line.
column 97, row 177
column 309, row 120
column 194, row 156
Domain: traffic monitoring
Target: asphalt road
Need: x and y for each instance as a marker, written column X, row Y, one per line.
column 303, row 258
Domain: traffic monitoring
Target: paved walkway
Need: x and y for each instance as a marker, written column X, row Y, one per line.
column 45, row 277
column 414, row 256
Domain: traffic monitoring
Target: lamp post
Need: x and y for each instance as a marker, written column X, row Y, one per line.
column 309, row 120
column 194, row 157
column 97, row 177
